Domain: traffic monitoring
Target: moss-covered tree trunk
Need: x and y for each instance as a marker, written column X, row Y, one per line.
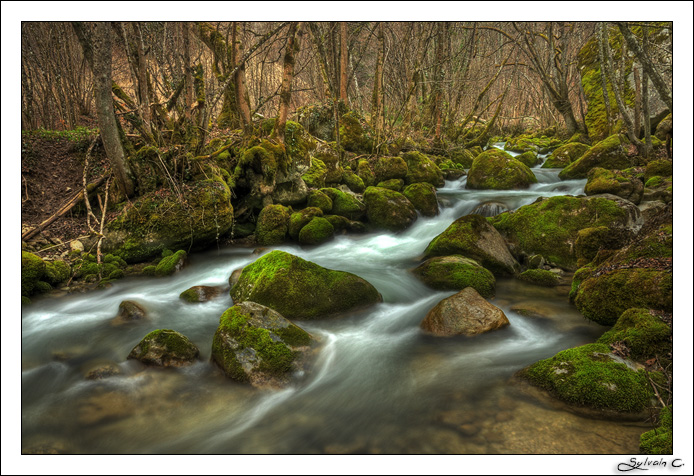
column 242, row 99
column 645, row 105
column 290, row 51
column 377, row 96
column 344, row 54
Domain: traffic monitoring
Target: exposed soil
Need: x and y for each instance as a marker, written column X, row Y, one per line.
column 52, row 172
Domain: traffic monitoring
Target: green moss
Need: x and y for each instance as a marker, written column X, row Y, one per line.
column 423, row 197
column 25, row 301
column 392, row 184
column 529, row 158
column 149, row 270
column 33, row 270
column 388, row 168
column 565, row 155
column 497, row 170
column 42, row 287
column 660, row 167
column 299, row 289
column 655, row 181
column 169, row 265
column 298, row 143
column 317, row 231
column 591, row 240
column 172, row 348
column 353, row 181
column 354, row 135
column 298, row 220
column 587, row 376
column 644, row 334
column 57, row 272
column 190, row 295
column 388, row 209
column 550, row 227
column 272, row 225
column 365, row 173
column 421, row 169
column 610, row 154
column 344, row 204
column 116, row 274
column 540, row 277
column 456, row 273
column 315, row 175
column 659, row 440
column 318, row 199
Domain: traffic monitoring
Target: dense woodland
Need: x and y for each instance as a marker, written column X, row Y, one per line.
column 145, row 141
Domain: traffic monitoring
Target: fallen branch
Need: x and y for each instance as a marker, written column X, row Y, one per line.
column 74, row 200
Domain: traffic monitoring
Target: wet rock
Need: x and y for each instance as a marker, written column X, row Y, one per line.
column 495, row 169
column 105, row 407
column 200, row 293
column 489, row 209
column 456, row 273
column 423, row 196
column 129, row 311
column 466, row 313
column 388, row 209
column 616, row 183
column 103, row 371
column 610, row 154
column 165, row 348
column 256, row 344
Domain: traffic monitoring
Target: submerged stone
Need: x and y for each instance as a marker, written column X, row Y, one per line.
column 165, row 348
column 300, row 289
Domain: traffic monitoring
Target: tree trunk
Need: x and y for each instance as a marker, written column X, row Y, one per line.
column 377, row 97
column 290, row 51
column 603, row 82
column 633, row 44
column 343, row 61
column 142, row 75
column 637, row 102
column 645, row 104
column 99, row 49
column 242, row 100
column 438, row 75
column 188, row 68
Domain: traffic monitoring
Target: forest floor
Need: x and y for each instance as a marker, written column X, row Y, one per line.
column 52, row 171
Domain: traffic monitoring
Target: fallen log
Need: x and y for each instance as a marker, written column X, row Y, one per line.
column 74, row 200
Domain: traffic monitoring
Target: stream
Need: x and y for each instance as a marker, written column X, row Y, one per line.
column 378, row 385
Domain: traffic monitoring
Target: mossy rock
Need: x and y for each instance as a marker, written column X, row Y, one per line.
column 388, row 209
column 610, row 154
column 353, row 181
column 58, row 272
column 299, row 219
column 455, row 273
column 589, row 376
column 160, row 221
column 272, row 226
column 529, row 158
column 421, row 169
column 256, row 344
column 659, row 167
column 365, row 173
column 614, row 182
column 342, row 224
column 387, row 168
column 318, row 199
column 658, row 441
column 591, row 240
column 637, row 276
column 300, row 289
column 642, row 332
column 129, row 311
column 473, row 237
column 462, row 157
column 565, row 155
column 354, row 135
column 540, row 277
column 169, row 265
column 423, row 197
column 345, row 204
column 317, row 231
column 165, row 348
column 549, row 227
column 258, row 169
column 316, row 174
column 298, row 143
column 496, row 170
column 664, row 127
column 33, row 270
column 200, row 294
column 331, row 160
column 393, row 184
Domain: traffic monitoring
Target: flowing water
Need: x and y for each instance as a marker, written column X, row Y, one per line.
column 377, row 385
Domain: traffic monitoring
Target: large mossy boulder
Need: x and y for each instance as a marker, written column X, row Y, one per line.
column 165, row 348
column 540, row 277
column 365, row 173
column 256, row 344
column 636, row 276
column 529, row 158
column 455, row 273
column 353, row 181
column 317, row 231
column 388, row 209
column 549, row 227
column 300, row 289
column 316, row 174
column 462, row 157
column 331, row 160
column 387, row 168
column 159, row 221
column 345, row 204
column 610, row 154
column 422, row 169
column 495, row 169
column 565, row 155
column 318, row 199
column 272, row 226
column 473, row 237
column 465, row 313
column 33, row 270
column 591, row 376
column 355, row 135
column 642, row 335
column 423, row 196
column 614, row 182
column 659, row 167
